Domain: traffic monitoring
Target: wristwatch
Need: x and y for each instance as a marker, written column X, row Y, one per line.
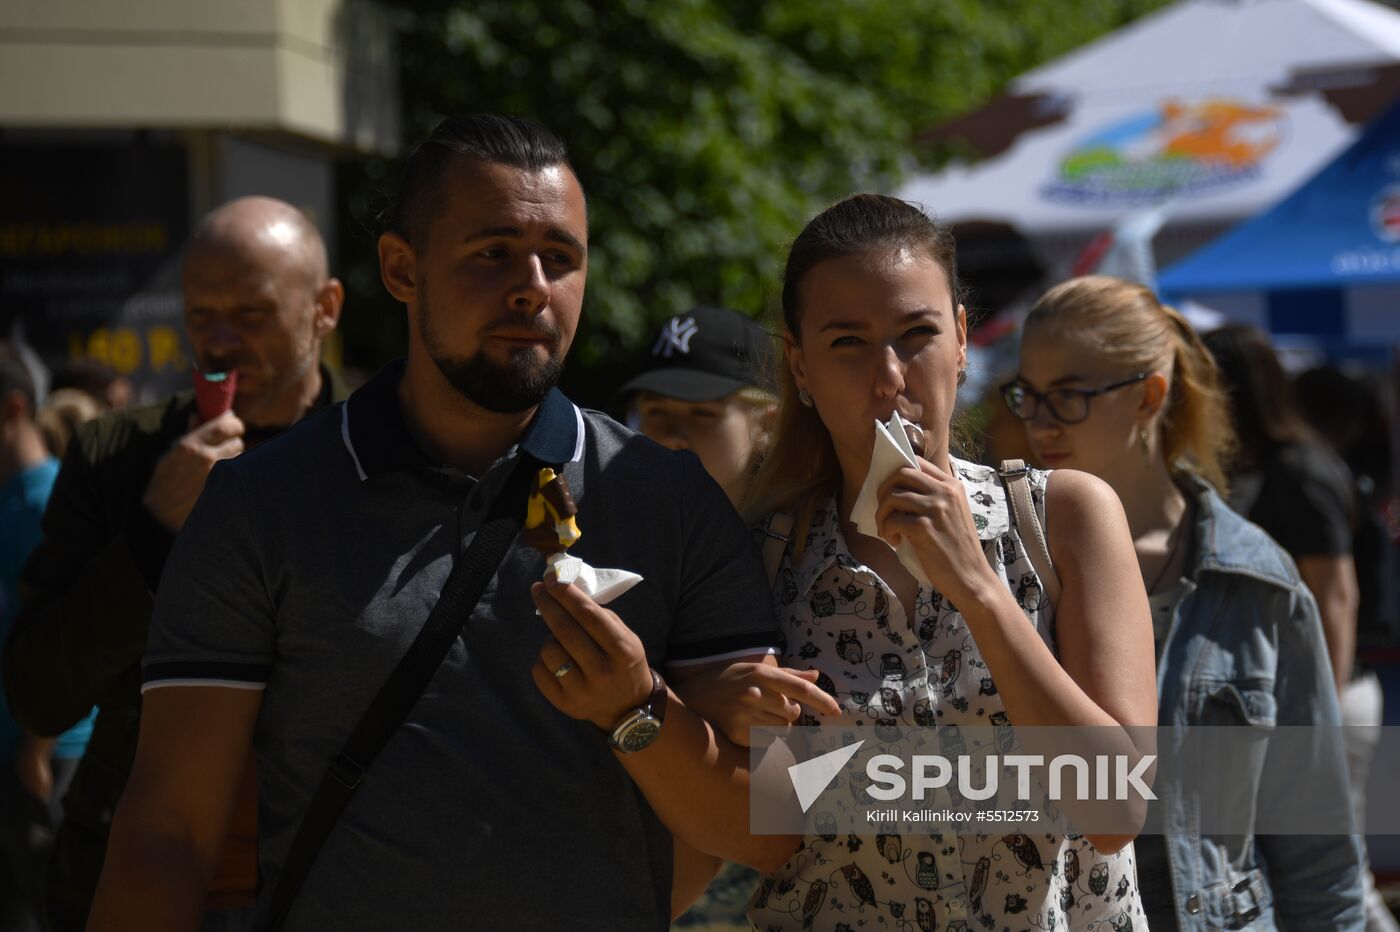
column 639, row 728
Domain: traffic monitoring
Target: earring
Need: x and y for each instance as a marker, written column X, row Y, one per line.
column 962, row 377
column 1143, row 445
column 803, row 397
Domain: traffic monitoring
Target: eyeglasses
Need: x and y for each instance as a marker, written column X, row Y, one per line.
column 1067, row 405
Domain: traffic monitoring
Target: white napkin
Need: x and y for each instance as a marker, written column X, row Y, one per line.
column 892, row 452
column 601, row 585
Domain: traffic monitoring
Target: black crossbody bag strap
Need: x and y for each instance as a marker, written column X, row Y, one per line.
column 460, row 594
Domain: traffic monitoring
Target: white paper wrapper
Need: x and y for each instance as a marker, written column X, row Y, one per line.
column 892, row 452
column 602, row 585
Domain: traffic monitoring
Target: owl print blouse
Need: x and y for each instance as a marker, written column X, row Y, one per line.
column 886, row 669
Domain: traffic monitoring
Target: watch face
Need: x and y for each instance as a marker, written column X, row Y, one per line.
column 638, row 733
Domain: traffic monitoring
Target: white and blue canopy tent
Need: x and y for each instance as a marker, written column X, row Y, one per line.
column 1215, row 108
column 1321, row 267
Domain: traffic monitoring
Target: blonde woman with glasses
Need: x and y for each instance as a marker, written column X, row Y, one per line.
column 1113, row 383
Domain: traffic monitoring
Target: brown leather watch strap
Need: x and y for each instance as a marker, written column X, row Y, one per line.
column 656, row 702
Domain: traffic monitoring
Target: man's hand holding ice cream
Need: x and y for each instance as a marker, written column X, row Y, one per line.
column 605, row 666
column 594, row 667
column 215, row 434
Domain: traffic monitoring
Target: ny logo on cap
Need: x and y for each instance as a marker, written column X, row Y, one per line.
column 675, row 337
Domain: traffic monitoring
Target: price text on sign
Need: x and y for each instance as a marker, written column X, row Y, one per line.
column 127, row 349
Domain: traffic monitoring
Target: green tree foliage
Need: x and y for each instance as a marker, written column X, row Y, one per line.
column 705, row 133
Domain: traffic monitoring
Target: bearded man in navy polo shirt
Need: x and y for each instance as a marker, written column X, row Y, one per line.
column 507, row 798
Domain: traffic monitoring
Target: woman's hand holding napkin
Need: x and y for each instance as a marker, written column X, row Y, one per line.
column 928, row 511
column 892, row 452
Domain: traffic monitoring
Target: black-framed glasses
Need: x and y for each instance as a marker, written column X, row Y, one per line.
column 1067, row 405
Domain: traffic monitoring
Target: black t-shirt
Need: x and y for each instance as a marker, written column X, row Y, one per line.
column 1303, row 497
column 306, row 570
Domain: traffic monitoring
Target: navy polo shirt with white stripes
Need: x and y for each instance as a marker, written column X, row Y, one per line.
column 306, row 570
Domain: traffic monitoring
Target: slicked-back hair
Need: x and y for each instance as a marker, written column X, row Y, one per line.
column 487, row 137
column 801, row 467
column 15, row 377
column 865, row 223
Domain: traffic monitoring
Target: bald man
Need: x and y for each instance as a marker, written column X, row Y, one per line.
column 259, row 300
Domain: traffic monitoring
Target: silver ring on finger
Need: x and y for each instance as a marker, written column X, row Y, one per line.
column 563, row 669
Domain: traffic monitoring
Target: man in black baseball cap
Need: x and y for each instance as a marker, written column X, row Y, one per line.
column 706, row 390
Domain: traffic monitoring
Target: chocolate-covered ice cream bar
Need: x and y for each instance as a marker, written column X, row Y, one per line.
column 549, row 514
column 916, row 436
column 551, row 529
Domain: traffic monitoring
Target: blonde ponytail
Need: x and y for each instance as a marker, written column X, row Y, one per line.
column 1196, row 428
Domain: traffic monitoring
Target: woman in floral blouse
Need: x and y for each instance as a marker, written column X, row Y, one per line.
column 874, row 326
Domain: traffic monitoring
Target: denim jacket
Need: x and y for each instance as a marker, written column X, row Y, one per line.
column 1245, row 647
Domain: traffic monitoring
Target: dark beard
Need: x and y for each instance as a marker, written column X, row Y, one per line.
column 517, row 386
column 510, row 388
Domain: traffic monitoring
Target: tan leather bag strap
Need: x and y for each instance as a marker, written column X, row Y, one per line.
column 1018, row 489
column 779, row 533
